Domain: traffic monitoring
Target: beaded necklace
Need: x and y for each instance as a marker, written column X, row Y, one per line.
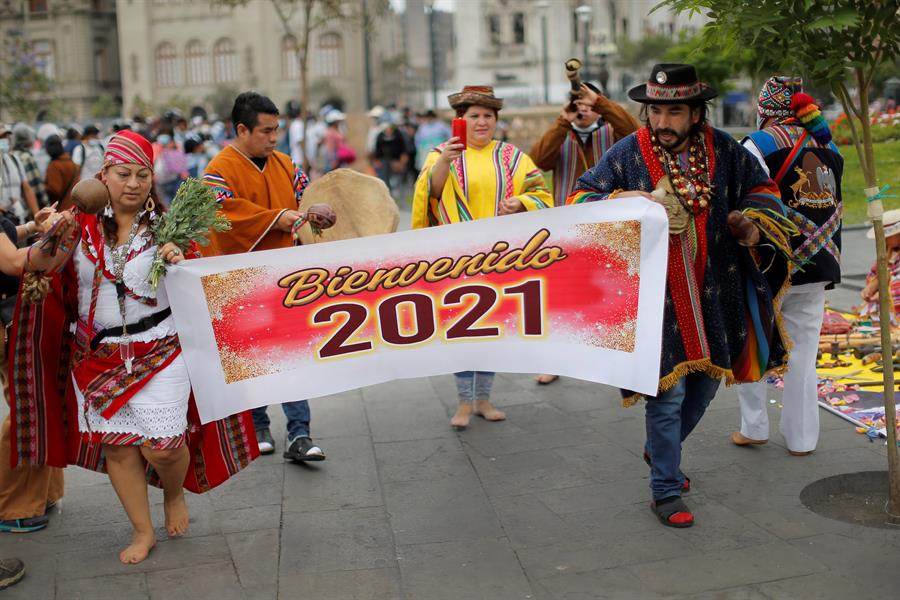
column 691, row 186
column 120, row 258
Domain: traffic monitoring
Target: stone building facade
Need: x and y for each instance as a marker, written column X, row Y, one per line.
column 75, row 44
column 504, row 42
column 188, row 50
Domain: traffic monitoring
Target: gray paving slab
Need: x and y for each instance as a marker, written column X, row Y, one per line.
column 110, row 587
column 336, row 540
column 448, row 509
column 358, row 584
column 551, row 504
column 255, row 555
column 480, row 569
column 724, row 569
column 346, row 479
column 216, row 580
column 813, row 587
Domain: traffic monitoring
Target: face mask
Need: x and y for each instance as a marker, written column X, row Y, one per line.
column 4, row 145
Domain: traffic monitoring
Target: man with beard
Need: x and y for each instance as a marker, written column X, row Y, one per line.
column 718, row 317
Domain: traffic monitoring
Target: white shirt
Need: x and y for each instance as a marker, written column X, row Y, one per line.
column 295, row 134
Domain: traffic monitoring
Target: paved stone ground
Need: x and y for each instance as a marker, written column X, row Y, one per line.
column 551, row 504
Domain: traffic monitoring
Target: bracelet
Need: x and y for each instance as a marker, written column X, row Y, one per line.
column 295, row 228
column 28, row 258
column 614, row 193
column 31, row 228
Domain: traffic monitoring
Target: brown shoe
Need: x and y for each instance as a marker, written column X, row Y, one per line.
column 739, row 439
column 795, row 453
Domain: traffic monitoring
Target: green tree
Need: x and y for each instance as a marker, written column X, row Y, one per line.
column 221, row 99
column 843, row 43
column 140, row 107
column 638, row 55
column 301, row 18
column 105, row 106
column 23, row 84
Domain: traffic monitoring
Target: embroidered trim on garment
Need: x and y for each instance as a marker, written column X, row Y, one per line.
column 571, row 152
column 220, row 187
column 667, row 92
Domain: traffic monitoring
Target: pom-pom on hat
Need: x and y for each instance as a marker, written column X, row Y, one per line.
column 809, row 115
column 129, row 148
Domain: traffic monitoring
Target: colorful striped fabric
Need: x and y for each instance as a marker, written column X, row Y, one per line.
column 221, row 189
column 571, row 154
column 129, row 148
column 301, row 181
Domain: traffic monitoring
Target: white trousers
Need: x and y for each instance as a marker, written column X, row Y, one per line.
column 802, row 311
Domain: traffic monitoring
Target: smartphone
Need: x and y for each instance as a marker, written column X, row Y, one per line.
column 459, row 128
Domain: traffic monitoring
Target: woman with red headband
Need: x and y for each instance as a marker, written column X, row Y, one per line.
column 128, row 396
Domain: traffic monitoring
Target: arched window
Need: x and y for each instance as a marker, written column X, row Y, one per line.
column 328, row 58
column 43, row 57
column 290, row 60
column 197, row 62
column 225, row 61
column 166, row 65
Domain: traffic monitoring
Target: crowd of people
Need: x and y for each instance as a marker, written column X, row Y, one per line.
column 751, row 252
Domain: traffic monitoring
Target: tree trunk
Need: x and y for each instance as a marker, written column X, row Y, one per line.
column 885, row 302
column 304, row 78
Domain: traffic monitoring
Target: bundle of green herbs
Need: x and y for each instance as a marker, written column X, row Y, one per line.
column 193, row 213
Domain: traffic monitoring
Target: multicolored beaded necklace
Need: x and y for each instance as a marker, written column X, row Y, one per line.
column 691, row 185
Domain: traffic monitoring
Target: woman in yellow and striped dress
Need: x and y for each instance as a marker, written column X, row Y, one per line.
column 484, row 178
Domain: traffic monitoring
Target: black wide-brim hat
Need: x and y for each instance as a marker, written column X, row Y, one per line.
column 672, row 84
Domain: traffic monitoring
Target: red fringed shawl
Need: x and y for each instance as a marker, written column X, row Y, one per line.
column 43, row 408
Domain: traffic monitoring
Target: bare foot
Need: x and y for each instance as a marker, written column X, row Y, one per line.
column 487, row 412
column 176, row 515
column 546, row 378
column 461, row 419
column 141, row 544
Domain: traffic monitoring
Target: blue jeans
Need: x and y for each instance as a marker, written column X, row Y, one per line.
column 670, row 418
column 297, row 414
column 474, row 385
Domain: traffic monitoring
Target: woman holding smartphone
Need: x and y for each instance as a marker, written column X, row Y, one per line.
column 476, row 178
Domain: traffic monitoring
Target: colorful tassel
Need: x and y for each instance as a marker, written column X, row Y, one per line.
column 810, row 117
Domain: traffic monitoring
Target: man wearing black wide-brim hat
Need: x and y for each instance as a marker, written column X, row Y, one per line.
column 719, row 319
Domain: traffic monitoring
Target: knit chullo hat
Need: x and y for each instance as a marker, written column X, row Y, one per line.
column 774, row 101
column 809, row 115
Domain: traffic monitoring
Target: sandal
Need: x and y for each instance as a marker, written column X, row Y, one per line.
column 685, row 486
column 546, row 379
column 672, row 512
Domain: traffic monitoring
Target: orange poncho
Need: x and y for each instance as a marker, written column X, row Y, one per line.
column 253, row 199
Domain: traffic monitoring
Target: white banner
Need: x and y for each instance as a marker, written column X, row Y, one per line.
column 576, row 291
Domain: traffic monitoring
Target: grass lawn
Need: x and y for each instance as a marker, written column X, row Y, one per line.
column 887, row 167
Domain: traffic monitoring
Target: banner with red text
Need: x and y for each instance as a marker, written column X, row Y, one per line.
column 576, row 291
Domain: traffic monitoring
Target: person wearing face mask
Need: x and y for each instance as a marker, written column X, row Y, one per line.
column 22, row 147
column 575, row 142
column 17, row 199
column 480, row 179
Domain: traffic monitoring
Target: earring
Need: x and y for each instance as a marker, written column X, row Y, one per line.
column 108, row 211
column 150, row 204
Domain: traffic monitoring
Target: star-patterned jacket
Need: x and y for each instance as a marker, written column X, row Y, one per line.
column 719, row 315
